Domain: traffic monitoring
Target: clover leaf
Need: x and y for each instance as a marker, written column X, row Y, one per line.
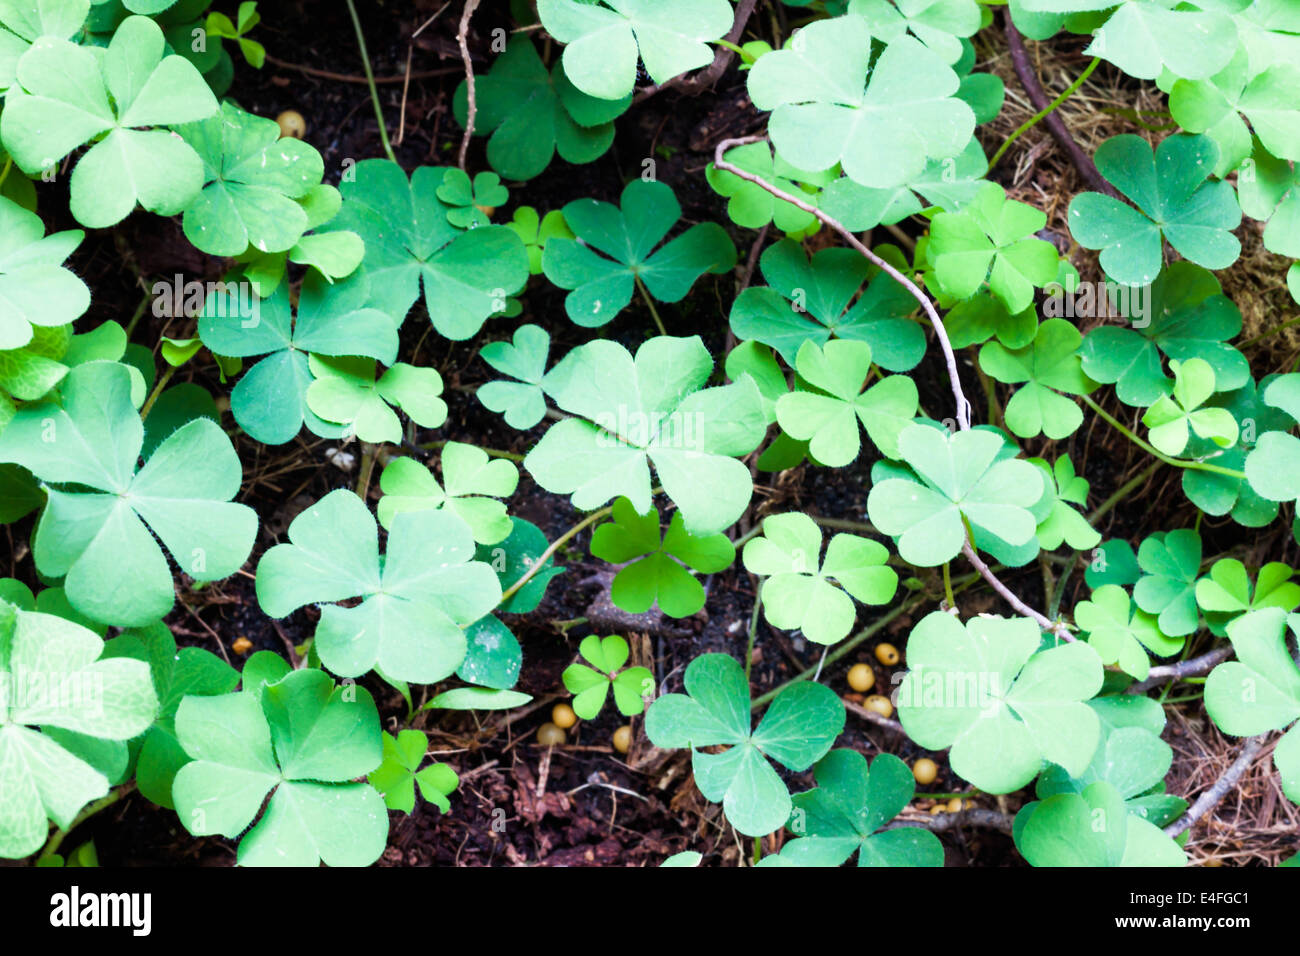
column 176, row 674
column 1173, row 200
column 36, row 290
column 1271, row 194
column 65, row 96
column 1003, row 706
column 468, row 201
column 43, row 660
column 824, row 112
column 493, row 657
column 812, row 300
column 1170, row 563
column 845, row 812
column 347, row 393
column 1112, row 563
column 334, row 253
column 797, row 730
column 537, row 231
column 629, row 413
column 936, row 23
column 396, row 777
column 992, row 240
column 1170, row 418
column 656, row 567
column 1227, row 588
column 523, row 359
column 975, row 320
column 1131, row 757
column 1063, row 523
column 251, row 179
column 30, row 372
column 604, row 40
column 1186, row 316
column 1049, row 365
column 410, row 242
column 1260, row 691
column 1122, row 634
column 753, row 207
column 303, row 742
column 270, row 400
column 22, row 22
column 416, row 601
column 962, row 481
column 1144, row 38
column 471, row 484
column 828, row 417
column 805, row 591
column 102, row 539
column 532, row 113
column 220, row 25
column 628, row 235
column 1216, row 106
column 591, row 687
column 1091, row 828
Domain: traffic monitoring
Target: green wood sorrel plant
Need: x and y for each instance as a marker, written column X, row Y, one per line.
column 656, row 400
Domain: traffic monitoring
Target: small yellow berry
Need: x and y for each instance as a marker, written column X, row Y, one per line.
column 955, row 805
column 562, row 716
column 887, row 654
column 925, row 771
column 623, row 739
column 242, row 645
column 880, row 705
column 862, row 678
column 292, row 125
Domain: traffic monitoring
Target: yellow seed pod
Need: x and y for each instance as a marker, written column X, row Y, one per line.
column 292, row 125
column 562, row 716
column 880, row 705
column 862, row 678
column 925, row 771
column 548, row 735
column 623, row 739
column 887, row 654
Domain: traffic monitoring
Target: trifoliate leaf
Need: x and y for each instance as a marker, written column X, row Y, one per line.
column 846, row 811
column 1064, row 525
column 536, row 232
column 395, row 778
column 882, row 130
column 36, row 291
column 43, row 660
column 629, row 413
column 1049, row 365
column 471, row 483
column 303, row 742
column 101, row 538
column 347, row 394
column 1173, row 201
column 961, row 480
column 1171, row 563
column 524, row 359
column 1145, row 38
column 591, row 687
column 628, row 235
column 936, row 23
column 532, row 113
column 1172, row 420
column 270, row 400
column 66, row 95
column 797, row 730
column 468, row 200
column 604, row 40
column 656, row 571
column 417, row 600
column 1121, row 634
column 807, row 592
column 1227, row 588
column 985, row 690
column 813, row 300
column 828, row 417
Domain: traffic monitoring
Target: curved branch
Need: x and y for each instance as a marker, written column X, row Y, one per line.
column 1210, row 798
column 977, row 817
column 1192, row 667
column 950, row 359
column 462, row 40
column 1052, row 120
column 1056, row 627
column 705, row 79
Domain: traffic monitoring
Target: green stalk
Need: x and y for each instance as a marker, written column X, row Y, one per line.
column 370, row 79
column 57, row 837
column 1034, row 120
column 555, row 546
column 1152, row 450
column 650, row 304
column 157, row 390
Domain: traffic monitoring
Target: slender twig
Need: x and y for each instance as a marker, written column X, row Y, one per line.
column 1052, row 120
column 705, row 79
column 976, row 817
column 370, row 80
column 963, row 404
column 1210, row 798
column 871, row 717
column 1009, row 596
column 471, row 112
column 1192, row 667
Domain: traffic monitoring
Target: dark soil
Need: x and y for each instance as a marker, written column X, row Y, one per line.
column 583, row 803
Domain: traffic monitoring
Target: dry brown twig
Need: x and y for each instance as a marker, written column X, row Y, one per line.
column 462, row 40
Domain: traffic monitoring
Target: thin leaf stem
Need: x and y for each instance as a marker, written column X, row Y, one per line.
column 650, row 304
column 1034, row 120
column 1152, row 450
column 370, row 81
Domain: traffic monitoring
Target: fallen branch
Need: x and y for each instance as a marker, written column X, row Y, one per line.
column 1056, row 627
column 705, row 78
column 1192, row 667
column 1210, row 798
column 1055, row 125
column 462, row 40
column 977, row 817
